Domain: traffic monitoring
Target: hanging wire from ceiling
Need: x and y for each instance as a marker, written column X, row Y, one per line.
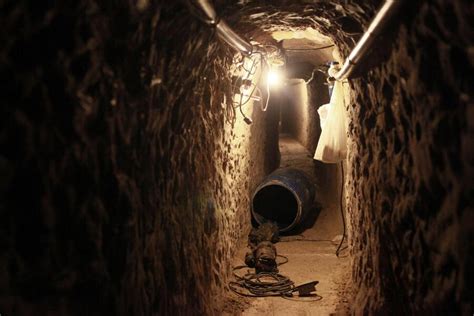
column 246, row 80
column 310, row 49
column 341, row 208
column 269, row 54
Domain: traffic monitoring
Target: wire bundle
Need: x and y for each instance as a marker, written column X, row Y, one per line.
column 261, row 284
column 263, row 62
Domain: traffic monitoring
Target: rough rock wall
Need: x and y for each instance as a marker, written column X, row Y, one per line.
column 411, row 159
column 318, row 95
column 294, row 114
column 300, row 112
column 124, row 177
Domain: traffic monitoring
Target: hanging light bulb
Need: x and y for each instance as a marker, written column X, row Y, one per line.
column 274, row 78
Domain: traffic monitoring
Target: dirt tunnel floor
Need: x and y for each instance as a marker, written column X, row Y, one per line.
column 308, row 260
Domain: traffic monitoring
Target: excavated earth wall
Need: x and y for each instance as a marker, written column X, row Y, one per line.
column 410, row 187
column 126, row 173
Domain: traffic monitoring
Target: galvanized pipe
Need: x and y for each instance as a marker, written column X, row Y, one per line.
column 223, row 29
column 208, row 9
column 383, row 16
column 233, row 39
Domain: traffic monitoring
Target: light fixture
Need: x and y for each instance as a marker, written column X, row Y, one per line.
column 274, row 78
column 248, row 70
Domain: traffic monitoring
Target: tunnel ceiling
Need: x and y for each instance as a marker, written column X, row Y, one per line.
column 309, row 51
column 307, row 45
column 333, row 20
column 302, row 25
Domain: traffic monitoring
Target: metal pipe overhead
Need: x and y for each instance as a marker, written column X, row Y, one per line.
column 381, row 19
column 223, row 29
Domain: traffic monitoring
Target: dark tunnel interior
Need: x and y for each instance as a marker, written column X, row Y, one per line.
column 134, row 135
column 276, row 203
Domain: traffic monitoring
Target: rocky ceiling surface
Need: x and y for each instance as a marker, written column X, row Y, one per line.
column 301, row 26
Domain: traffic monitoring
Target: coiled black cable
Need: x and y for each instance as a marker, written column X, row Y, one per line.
column 341, row 204
column 266, row 284
column 261, row 284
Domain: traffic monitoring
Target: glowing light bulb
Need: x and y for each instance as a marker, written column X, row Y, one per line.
column 273, row 78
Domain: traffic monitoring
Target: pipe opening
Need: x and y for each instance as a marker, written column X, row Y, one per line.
column 275, row 203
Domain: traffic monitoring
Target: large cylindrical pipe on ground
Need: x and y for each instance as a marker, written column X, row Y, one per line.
column 284, row 197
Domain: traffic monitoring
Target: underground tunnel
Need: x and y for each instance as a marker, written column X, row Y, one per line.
column 238, row 157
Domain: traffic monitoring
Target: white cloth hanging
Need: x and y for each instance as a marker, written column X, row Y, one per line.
column 332, row 144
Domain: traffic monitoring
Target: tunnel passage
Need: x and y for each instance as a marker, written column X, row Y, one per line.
column 126, row 171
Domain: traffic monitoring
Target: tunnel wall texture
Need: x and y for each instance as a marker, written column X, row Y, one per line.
column 294, row 114
column 318, row 95
column 300, row 115
column 125, row 175
column 410, row 189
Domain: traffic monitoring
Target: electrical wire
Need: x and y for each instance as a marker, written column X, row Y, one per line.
column 246, row 118
column 241, row 104
column 309, row 298
column 315, row 48
column 261, row 284
column 339, row 249
column 252, row 70
column 255, row 87
column 199, row 14
column 246, row 76
column 266, row 284
column 303, row 238
column 314, row 71
column 273, row 48
column 264, row 108
column 284, row 258
column 264, row 66
column 312, row 76
column 342, row 212
column 264, row 62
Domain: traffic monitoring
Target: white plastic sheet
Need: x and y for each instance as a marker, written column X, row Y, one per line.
column 323, row 114
column 332, row 144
